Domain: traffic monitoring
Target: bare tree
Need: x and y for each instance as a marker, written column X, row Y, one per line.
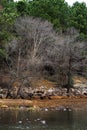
column 38, row 45
column 71, row 60
column 35, row 38
column 35, row 34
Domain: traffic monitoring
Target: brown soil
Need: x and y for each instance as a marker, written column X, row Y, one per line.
column 5, row 103
column 71, row 102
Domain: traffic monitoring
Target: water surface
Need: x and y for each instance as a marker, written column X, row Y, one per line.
column 65, row 119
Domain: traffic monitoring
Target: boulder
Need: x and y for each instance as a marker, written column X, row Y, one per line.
column 13, row 92
column 3, row 93
column 25, row 92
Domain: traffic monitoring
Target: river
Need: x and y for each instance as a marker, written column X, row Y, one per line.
column 63, row 119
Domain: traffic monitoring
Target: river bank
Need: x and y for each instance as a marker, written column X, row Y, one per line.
column 75, row 103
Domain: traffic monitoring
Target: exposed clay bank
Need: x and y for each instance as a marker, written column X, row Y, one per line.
column 75, row 103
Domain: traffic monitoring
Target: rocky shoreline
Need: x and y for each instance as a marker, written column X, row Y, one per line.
column 41, row 92
column 39, row 88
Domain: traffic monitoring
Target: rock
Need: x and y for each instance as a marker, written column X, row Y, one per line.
column 84, row 91
column 13, row 92
column 25, row 93
column 43, row 122
column 3, row 93
column 70, row 110
column 38, row 119
column 4, row 106
column 46, row 109
column 20, row 122
column 22, row 92
column 51, row 92
column 64, row 109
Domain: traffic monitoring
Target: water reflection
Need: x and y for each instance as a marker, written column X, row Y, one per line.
column 43, row 120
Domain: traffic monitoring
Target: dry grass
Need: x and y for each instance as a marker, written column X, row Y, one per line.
column 79, row 79
column 35, row 83
column 42, row 82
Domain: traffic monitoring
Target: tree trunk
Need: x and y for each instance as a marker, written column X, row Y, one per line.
column 69, row 74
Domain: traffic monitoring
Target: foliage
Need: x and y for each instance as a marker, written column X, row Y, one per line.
column 55, row 11
column 7, row 17
column 2, row 53
column 22, row 7
column 58, row 12
column 79, row 17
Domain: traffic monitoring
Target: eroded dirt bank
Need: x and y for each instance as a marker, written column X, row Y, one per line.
column 75, row 103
